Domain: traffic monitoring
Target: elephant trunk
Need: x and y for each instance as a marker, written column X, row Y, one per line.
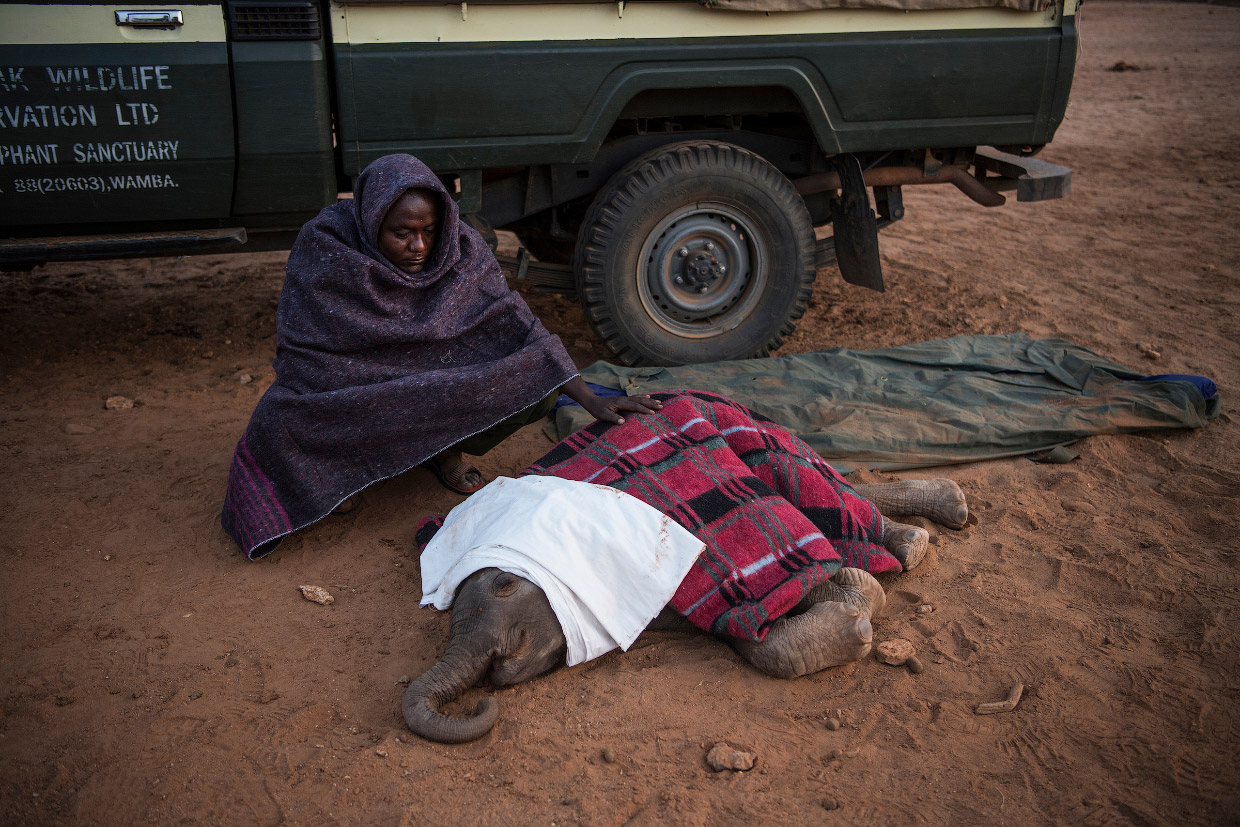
column 443, row 683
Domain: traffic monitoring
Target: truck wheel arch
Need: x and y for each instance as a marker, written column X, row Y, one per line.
column 799, row 78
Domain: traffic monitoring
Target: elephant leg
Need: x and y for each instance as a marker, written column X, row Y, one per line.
column 939, row 500
column 829, row 633
column 907, row 543
column 856, row 587
column 670, row 620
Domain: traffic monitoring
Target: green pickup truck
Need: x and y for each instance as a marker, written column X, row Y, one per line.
column 666, row 161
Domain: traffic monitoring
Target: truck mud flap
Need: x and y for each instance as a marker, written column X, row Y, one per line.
column 19, row 251
column 855, row 227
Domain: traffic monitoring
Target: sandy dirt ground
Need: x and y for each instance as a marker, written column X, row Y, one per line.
column 150, row 675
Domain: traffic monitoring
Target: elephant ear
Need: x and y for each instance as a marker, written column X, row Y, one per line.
column 426, row 530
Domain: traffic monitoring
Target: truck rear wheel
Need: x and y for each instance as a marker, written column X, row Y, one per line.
column 696, row 252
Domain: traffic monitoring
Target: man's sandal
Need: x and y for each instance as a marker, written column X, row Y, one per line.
column 460, row 471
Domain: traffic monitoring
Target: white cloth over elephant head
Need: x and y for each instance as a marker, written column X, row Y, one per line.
column 607, row 562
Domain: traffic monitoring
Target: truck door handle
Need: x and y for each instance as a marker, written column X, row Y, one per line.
column 169, row 19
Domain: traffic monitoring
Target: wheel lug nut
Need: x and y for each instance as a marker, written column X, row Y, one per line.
column 680, row 280
column 723, row 268
column 703, row 289
column 710, row 246
column 684, row 252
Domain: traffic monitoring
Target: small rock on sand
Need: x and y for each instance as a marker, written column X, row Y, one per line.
column 78, row 430
column 317, row 594
column 724, row 757
column 245, row 378
column 894, row 652
column 833, row 724
column 118, row 403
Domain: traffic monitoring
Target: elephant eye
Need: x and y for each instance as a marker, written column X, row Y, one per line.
column 505, row 585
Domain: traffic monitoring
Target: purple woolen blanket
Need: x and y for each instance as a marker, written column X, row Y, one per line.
column 378, row 370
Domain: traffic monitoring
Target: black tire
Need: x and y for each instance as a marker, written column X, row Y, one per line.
column 723, row 221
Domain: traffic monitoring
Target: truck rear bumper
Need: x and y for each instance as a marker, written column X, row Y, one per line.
column 1032, row 179
column 994, row 172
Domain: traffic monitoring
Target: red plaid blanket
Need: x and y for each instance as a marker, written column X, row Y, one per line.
column 776, row 519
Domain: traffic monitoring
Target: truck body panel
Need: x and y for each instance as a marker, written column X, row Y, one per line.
column 285, row 157
column 871, row 80
column 99, row 120
column 590, row 129
column 108, row 128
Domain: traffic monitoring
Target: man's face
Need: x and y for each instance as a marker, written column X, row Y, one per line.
column 408, row 232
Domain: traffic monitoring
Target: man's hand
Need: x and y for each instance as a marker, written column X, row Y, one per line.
column 609, row 409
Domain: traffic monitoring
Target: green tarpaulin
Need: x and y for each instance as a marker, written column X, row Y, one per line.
column 954, row 400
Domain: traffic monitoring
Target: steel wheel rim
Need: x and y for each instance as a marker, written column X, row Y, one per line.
column 706, row 245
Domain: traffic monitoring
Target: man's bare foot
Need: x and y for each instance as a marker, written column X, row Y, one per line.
column 940, row 500
column 455, row 472
column 347, row 504
column 908, row 543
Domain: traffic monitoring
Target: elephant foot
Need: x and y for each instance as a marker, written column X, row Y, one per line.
column 907, row 543
column 939, row 500
column 829, row 633
column 856, row 587
column 832, row 628
column 860, row 589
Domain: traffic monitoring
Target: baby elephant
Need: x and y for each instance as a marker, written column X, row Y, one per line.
column 503, row 628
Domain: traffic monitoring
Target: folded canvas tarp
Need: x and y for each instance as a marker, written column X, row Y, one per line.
column 954, row 400
column 906, row 5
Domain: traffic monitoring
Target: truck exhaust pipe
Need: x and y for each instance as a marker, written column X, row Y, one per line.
column 905, row 176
